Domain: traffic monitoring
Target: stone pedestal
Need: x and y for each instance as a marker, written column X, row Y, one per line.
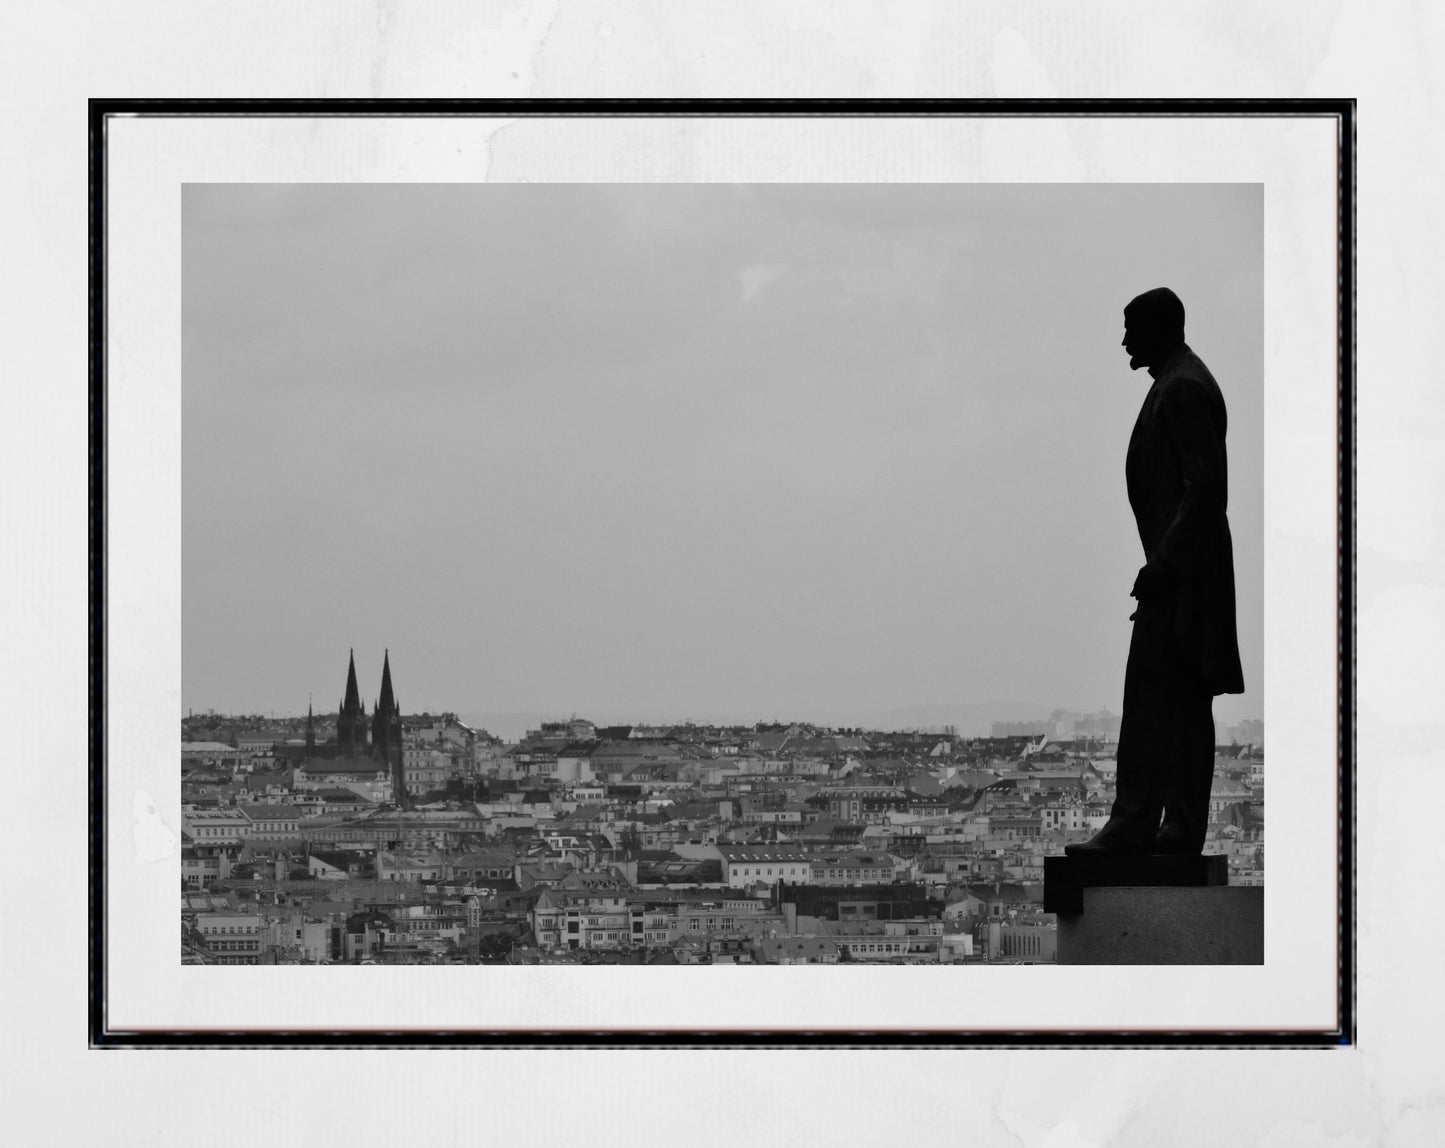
column 1132, row 925
column 1152, row 910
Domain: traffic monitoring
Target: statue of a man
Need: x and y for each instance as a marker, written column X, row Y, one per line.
column 1184, row 648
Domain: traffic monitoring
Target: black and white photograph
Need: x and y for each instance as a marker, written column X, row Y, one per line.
column 651, row 574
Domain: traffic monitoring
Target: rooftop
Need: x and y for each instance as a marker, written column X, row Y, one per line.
column 268, row 812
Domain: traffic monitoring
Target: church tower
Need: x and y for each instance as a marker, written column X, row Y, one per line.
column 310, row 732
column 386, row 734
column 351, row 720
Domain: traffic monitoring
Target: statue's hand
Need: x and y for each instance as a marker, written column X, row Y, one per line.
column 1152, row 582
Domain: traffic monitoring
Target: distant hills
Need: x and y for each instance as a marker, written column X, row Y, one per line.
column 972, row 720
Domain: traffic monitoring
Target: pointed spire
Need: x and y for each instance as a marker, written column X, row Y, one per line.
column 353, row 694
column 387, row 702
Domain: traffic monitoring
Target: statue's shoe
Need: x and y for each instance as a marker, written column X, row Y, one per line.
column 1171, row 844
column 1105, row 844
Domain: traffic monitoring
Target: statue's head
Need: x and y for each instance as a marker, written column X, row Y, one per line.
column 1153, row 327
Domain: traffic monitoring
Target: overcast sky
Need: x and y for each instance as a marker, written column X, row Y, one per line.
column 852, row 453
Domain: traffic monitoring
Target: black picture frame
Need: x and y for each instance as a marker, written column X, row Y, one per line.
column 103, row 112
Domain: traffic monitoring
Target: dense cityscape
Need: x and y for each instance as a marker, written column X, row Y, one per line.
column 391, row 838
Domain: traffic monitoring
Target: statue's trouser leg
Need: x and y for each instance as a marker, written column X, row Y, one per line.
column 1147, row 728
column 1191, row 772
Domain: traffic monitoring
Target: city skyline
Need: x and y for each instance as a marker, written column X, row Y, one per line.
column 690, row 450
column 981, row 721
column 586, row 845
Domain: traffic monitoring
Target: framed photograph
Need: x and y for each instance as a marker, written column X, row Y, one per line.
column 540, row 547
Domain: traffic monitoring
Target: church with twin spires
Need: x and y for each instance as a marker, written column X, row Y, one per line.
column 380, row 741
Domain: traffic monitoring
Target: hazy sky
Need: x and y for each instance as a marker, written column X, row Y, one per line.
column 663, row 451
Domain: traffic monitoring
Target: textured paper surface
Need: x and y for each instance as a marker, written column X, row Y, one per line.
column 1388, row 1091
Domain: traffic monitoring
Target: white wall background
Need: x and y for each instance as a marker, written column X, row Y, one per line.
column 1386, row 1091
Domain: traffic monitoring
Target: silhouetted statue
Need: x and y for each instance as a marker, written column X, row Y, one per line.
column 1184, row 648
